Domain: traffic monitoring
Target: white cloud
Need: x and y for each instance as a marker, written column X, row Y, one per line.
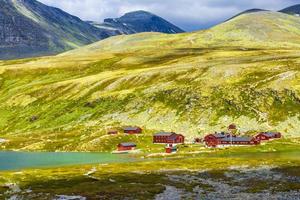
column 188, row 14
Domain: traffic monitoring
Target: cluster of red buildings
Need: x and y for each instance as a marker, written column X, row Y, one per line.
column 224, row 139
column 172, row 139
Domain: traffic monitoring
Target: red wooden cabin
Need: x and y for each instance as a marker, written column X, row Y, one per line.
column 168, row 138
column 112, row 132
column 263, row 136
column 212, row 140
column 132, row 130
column 126, row 146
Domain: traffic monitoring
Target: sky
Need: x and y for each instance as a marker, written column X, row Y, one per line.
column 189, row 15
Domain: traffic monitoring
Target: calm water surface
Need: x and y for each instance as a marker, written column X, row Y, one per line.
column 21, row 160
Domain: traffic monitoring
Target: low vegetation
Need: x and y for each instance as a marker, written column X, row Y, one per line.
column 191, row 83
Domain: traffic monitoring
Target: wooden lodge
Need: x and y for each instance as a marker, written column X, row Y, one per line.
column 212, row 140
column 222, row 139
column 168, row 138
column 132, row 130
column 264, row 136
column 244, row 140
column 126, row 146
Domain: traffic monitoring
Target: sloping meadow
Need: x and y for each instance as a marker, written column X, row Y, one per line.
column 155, row 81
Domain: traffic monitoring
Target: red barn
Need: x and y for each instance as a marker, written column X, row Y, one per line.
column 263, row 136
column 212, row 140
column 112, row 132
column 132, row 130
column 126, row 146
column 239, row 141
column 168, row 138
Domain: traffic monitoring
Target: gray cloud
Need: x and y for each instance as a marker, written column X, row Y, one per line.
column 187, row 14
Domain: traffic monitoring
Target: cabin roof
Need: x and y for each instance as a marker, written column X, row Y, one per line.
column 237, row 139
column 164, row 134
column 270, row 134
column 131, row 128
column 127, row 144
column 220, row 135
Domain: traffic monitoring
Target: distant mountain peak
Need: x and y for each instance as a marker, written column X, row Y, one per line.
column 293, row 10
column 141, row 21
column 138, row 13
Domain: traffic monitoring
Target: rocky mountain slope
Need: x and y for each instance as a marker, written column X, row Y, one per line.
column 137, row 22
column 29, row 28
column 244, row 71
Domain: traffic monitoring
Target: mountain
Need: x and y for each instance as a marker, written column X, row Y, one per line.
column 30, row 28
column 245, row 71
column 248, row 11
column 137, row 22
column 293, row 10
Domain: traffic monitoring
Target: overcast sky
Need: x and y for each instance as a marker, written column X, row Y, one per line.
column 187, row 14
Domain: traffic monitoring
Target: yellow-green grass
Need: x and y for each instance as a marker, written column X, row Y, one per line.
column 192, row 83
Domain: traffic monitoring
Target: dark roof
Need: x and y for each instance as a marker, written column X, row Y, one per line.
column 164, row 134
column 130, row 128
column 128, row 144
column 237, row 139
column 270, row 134
column 221, row 135
column 232, row 126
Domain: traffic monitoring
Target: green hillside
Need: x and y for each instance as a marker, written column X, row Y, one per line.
column 244, row 71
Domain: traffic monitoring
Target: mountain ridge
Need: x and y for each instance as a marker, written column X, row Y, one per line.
column 139, row 21
column 29, row 28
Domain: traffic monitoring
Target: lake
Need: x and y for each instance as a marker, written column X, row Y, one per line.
column 20, row 160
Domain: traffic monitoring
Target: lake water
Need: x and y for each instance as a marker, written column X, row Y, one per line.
column 21, row 160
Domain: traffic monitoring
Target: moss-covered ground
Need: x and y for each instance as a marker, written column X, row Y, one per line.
column 250, row 174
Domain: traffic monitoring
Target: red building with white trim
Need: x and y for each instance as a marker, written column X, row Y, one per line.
column 168, row 138
column 264, row 136
column 244, row 140
column 223, row 139
column 126, row 146
column 212, row 140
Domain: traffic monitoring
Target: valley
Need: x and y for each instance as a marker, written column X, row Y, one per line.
column 245, row 71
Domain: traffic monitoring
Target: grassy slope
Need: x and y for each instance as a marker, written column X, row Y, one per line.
column 244, row 71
